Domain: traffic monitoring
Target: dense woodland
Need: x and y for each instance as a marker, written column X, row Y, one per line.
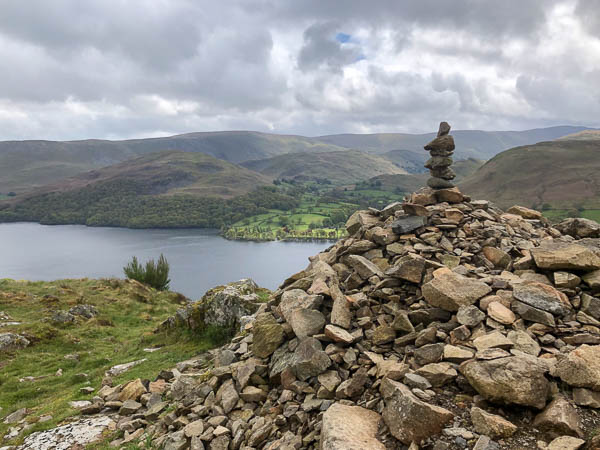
column 122, row 204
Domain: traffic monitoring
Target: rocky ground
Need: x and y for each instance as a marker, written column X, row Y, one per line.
column 440, row 323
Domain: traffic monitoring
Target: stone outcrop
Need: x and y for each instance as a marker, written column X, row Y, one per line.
column 229, row 306
column 450, row 325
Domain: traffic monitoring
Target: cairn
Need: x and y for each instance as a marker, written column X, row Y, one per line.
column 441, row 149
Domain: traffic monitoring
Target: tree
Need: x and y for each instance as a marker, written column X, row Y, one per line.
column 155, row 274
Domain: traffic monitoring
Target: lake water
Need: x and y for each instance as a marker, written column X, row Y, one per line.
column 199, row 259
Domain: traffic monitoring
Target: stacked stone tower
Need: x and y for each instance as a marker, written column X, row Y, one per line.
column 441, row 149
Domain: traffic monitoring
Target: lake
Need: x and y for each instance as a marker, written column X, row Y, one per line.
column 199, row 259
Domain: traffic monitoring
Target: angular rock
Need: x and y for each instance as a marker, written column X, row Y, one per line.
column 501, row 313
column 268, row 335
column 309, row 359
column 497, row 257
column 579, row 227
column 360, row 219
column 470, row 315
column 566, row 443
column 585, row 397
column 566, row 280
column 581, row 367
column 409, row 268
column 510, row 380
column 525, row 213
column 491, row 425
column 365, row 268
column 297, row 299
column 338, row 334
column 408, row 418
column 559, row 418
column 407, row 224
column 542, row 296
column 533, row 314
column 522, row 341
column 592, row 279
column 383, row 334
column 132, row 390
column 565, row 257
column 12, row 341
column 227, row 396
column 350, row 427
column 450, row 291
column 494, row 339
column 306, row 322
column 438, row 374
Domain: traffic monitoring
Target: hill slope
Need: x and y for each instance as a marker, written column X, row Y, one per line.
column 164, row 189
column 28, row 164
column 562, row 174
column 585, row 135
column 342, row 167
column 469, row 143
column 25, row 165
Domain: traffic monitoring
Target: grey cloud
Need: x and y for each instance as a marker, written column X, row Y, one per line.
column 321, row 48
column 73, row 69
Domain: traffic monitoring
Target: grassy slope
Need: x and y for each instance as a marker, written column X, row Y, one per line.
column 128, row 314
column 585, row 135
column 28, row 164
column 342, row 167
column 563, row 174
column 169, row 173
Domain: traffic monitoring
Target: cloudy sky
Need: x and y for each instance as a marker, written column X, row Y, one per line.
column 72, row 69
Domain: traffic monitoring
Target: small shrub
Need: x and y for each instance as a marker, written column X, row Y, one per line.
column 155, row 274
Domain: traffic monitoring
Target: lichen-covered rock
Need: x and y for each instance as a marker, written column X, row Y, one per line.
column 491, row 425
column 12, row 341
column 222, row 306
column 268, row 335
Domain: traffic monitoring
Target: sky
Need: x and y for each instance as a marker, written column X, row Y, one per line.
column 116, row 69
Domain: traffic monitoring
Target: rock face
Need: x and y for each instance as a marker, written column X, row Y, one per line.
column 425, row 305
column 350, row 428
column 510, row 380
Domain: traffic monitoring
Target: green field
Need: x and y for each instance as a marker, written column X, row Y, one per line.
column 128, row 313
column 321, row 214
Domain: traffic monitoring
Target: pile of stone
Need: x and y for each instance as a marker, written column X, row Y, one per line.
column 440, row 323
column 441, row 150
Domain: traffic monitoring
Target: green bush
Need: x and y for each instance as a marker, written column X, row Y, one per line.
column 155, row 274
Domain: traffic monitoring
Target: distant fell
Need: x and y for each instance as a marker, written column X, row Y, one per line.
column 557, row 174
column 585, row 135
column 340, row 167
column 25, row 165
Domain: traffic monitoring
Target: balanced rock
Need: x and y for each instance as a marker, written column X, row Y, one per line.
column 441, row 148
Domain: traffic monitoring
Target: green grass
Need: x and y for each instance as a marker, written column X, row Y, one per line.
column 556, row 215
column 128, row 314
